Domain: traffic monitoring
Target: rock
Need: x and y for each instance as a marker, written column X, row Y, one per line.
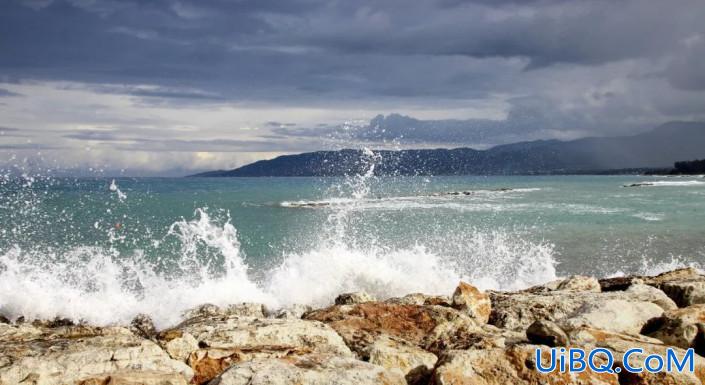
column 517, row 311
column 648, row 293
column 353, row 298
column 178, row 344
column 514, row 365
column 684, row 328
column 421, row 299
column 245, row 309
column 685, row 293
column 473, row 302
column 684, row 274
column 312, row 369
column 361, row 324
column 613, row 315
column 83, row 354
column 580, row 283
column 132, row 378
column 588, row 338
column 217, row 342
column 465, row 333
column 543, row 332
column 295, row 311
column 411, row 362
column 143, row 326
column 618, row 283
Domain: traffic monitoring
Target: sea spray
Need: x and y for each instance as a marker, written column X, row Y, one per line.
column 61, row 253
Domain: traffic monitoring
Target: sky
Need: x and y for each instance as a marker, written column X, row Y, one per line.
column 167, row 87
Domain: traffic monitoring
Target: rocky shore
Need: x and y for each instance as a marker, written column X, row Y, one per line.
column 469, row 337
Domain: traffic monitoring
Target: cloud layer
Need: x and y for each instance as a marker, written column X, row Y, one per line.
column 186, row 85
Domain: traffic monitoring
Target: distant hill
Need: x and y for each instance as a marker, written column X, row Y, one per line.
column 656, row 149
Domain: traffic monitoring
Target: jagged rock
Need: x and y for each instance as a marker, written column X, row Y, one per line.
column 74, row 354
column 361, row 324
column 514, row 365
column 221, row 341
column 517, row 311
column 353, row 298
column 544, row 332
column 619, row 283
column 685, row 293
column 684, row 328
column 421, row 299
column 413, row 363
column 178, row 344
column 245, row 309
column 295, row 311
column 614, row 315
column 313, row 369
column 580, row 283
column 472, row 302
column 465, row 333
column 588, row 338
column 132, row 378
column 684, row 274
column 143, row 326
column 646, row 293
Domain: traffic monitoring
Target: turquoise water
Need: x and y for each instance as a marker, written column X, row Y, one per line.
column 103, row 249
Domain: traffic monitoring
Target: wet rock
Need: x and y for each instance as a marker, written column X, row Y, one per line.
column 295, row 311
column 353, row 298
column 684, row 328
column 75, row 354
column 473, row 302
column 580, row 283
column 618, row 283
column 421, row 299
column 143, row 326
column 514, row 365
column 685, row 293
column 313, row 369
column 411, row 362
column 543, row 332
column 217, row 342
column 361, row 324
column 245, row 309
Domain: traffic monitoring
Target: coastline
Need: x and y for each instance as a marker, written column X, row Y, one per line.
column 466, row 337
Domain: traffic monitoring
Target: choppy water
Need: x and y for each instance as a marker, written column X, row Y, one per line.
column 103, row 250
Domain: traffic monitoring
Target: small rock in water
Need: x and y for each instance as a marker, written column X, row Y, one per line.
column 353, row 298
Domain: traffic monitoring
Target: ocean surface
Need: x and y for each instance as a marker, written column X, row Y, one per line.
column 103, row 249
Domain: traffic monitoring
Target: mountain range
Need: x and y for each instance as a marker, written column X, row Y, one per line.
column 659, row 148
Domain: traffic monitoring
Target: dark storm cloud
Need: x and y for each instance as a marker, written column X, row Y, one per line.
column 272, row 49
column 555, row 68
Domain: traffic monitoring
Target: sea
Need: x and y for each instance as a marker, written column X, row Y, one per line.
column 103, row 249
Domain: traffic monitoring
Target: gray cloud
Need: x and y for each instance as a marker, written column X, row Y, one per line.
column 504, row 70
column 6, row 93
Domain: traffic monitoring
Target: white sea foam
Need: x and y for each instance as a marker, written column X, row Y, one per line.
column 671, row 183
column 103, row 287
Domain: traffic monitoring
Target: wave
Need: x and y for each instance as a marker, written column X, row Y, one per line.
column 103, row 287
